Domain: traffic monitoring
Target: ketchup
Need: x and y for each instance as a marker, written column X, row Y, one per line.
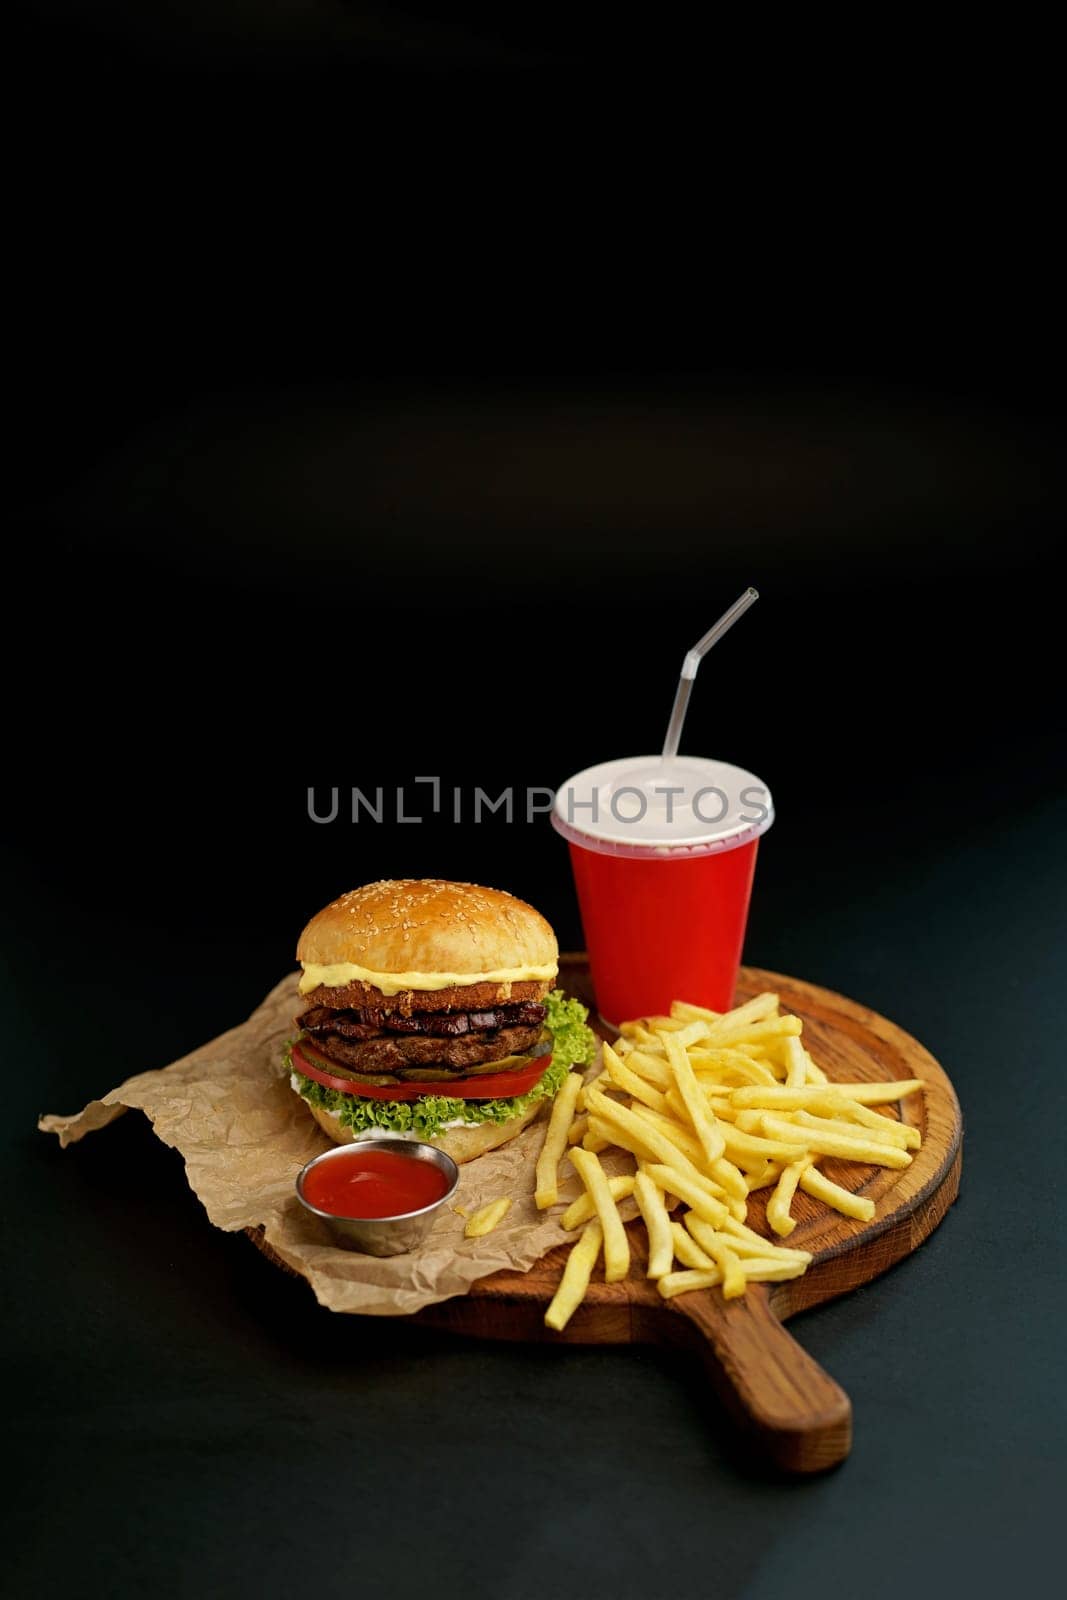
column 373, row 1183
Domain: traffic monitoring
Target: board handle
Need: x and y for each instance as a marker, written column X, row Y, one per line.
column 769, row 1383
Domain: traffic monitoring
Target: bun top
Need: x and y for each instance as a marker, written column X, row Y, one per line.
column 416, row 926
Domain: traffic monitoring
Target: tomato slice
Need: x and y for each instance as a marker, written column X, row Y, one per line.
column 484, row 1086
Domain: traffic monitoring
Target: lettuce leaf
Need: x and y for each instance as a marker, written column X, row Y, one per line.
column 572, row 1040
column 573, row 1044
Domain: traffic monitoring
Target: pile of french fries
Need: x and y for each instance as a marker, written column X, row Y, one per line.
column 711, row 1107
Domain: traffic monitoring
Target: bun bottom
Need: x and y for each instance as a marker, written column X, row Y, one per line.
column 462, row 1144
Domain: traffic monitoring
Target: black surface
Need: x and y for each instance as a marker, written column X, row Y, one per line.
column 356, row 526
column 251, row 1438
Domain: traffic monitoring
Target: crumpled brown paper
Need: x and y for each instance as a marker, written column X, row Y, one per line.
column 229, row 1109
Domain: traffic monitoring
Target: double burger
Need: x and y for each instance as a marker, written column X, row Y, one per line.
column 429, row 1010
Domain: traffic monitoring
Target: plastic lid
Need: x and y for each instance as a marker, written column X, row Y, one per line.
column 644, row 806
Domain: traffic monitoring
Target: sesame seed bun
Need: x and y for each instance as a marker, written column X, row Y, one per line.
column 428, row 925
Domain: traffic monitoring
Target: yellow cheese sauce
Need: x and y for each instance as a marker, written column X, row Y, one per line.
column 340, row 973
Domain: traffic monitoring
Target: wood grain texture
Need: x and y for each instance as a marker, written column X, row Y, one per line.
column 800, row 1418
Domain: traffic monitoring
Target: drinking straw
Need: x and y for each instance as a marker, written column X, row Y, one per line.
column 689, row 669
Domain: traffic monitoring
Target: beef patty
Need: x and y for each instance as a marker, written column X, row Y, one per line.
column 394, row 1052
column 370, row 1021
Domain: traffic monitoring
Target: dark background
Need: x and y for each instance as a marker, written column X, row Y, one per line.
column 367, row 422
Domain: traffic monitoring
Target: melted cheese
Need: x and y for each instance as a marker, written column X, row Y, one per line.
column 341, row 973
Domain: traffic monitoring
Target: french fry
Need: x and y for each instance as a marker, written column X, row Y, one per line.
column 727, row 1175
column 823, row 1101
column 660, row 1242
column 760, row 1008
column 722, row 1176
column 721, row 1179
column 583, row 1209
column 879, row 1094
column 713, row 1107
column 730, row 1178
column 691, row 1013
column 719, row 1248
column 820, row 1187
column 742, row 1241
column 722, row 1074
column 601, row 1077
column 795, row 1062
column 684, row 1034
column 635, row 1086
column 575, row 1280
column 749, row 1252
column 662, row 1024
column 748, row 1164
column 653, row 1069
column 764, row 1177
column 694, row 1100
column 752, row 1121
column 604, row 1128
column 782, row 1097
column 774, row 1057
column 768, row 1269
column 710, row 1187
column 722, row 1032
column 547, row 1172
column 670, row 1199
column 740, row 1145
column 711, row 1057
column 694, row 1195
column 726, row 1259
column 639, row 1034
column 893, row 1133
column 854, row 1111
column 616, row 1242
column 685, row 1282
column 485, row 1219
column 778, row 1205
column 815, row 1074
column 681, row 1136
column 687, row 1251
column 647, row 1135
column 835, row 1144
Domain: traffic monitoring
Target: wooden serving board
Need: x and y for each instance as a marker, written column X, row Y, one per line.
column 801, row 1419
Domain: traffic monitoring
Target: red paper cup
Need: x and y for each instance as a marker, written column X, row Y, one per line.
column 663, row 886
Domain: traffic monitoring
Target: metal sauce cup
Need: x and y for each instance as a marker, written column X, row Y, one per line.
column 384, row 1236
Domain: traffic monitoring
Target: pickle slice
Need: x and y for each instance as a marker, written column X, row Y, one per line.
column 339, row 1070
